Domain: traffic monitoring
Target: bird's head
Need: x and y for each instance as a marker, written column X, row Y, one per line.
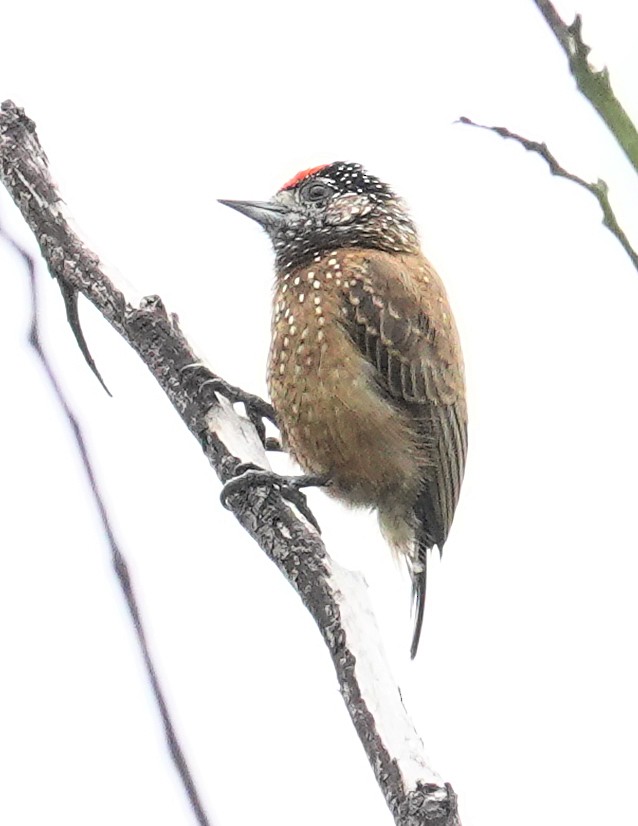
column 330, row 207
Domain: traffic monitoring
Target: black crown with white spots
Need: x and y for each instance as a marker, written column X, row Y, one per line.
column 335, row 206
column 346, row 177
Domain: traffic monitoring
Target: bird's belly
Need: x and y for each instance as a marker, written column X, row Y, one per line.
column 335, row 422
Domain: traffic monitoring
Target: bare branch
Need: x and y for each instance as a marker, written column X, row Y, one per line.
column 598, row 189
column 337, row 599
column 595, row 85
column 117, row 557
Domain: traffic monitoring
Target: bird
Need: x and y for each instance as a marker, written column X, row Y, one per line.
column 365, row 371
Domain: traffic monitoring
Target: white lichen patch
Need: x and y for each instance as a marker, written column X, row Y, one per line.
column 237, row 433
column 378, row 687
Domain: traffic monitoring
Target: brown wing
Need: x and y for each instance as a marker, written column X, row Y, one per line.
column 402, row 323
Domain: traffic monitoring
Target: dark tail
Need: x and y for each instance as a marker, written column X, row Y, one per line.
column 419, row 582
column 431, row 530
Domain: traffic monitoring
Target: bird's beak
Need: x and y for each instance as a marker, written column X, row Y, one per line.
column 267, row 214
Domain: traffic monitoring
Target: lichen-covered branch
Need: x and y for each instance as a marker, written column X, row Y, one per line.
column 598, row 189
column 594, row 84
column 337, row 599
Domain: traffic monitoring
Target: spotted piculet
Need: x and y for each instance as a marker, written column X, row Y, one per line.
column 365, row 371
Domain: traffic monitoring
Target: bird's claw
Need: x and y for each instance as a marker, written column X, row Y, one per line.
column 256, row 408
column 289, row 487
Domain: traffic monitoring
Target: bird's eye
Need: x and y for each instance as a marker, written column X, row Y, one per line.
column 315, row 192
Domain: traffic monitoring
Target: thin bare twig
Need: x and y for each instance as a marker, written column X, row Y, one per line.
column 595, row 85
column 598, row 189
column 70, row 298
column 119, row 562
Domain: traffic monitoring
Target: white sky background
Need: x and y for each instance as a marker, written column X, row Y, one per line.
column 524, row 689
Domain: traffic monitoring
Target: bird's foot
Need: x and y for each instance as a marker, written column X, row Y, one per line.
column 289, row 487
column 256, row 408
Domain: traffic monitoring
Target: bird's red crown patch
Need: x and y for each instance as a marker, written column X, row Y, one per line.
column 300, row 176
